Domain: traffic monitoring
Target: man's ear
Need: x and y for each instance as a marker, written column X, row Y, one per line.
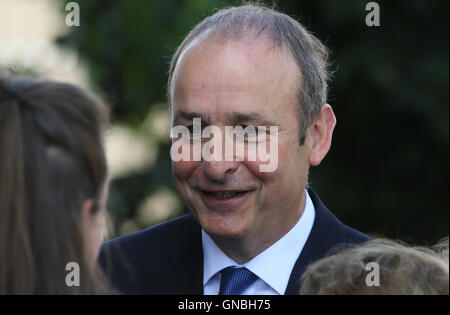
column 321, row 133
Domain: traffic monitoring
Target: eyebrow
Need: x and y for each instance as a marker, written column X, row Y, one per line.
column 232, row 119
column 181, row 115
column 253, row 118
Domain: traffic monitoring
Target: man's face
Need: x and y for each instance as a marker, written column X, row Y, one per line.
column 241, row 84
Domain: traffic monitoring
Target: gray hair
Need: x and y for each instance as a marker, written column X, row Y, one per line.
column 402, row 269
column 311, row 56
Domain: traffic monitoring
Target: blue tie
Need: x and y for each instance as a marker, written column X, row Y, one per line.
column 235, row 280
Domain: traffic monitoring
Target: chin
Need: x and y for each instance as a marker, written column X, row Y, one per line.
column 224, row 227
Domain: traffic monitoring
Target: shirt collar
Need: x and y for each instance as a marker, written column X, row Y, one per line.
column 274, row 265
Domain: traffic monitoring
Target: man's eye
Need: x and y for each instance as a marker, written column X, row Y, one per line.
column 246, row 132
column 244, row 128
column 194, row 129
column 195, row 132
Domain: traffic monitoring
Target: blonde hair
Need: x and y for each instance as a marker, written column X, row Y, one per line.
column 402, row 270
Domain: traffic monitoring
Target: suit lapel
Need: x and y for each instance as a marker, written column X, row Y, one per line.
column 326, row 232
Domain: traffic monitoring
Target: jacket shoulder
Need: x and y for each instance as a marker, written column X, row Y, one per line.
column 156, row 236
column 131, row 262
column 355, row 236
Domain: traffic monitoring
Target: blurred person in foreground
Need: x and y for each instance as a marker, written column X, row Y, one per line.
column 380, row 266
column 249, row 231
column 53, row 187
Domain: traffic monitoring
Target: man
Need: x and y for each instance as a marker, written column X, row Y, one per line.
column 249, row 231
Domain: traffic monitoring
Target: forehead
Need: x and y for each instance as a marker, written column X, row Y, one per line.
column 216, row 78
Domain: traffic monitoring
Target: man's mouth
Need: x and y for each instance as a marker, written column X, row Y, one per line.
column 224, row 198
column 222, row 195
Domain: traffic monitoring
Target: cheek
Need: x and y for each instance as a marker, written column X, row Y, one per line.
column 255, row 168
column 95, row 235
column 290, row 165
column 97, row 242
column 183, row 169
column 101, row 226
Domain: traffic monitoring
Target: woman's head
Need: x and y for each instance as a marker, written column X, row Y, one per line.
column 52, row 185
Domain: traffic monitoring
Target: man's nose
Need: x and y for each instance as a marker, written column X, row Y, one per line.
column 218, row 170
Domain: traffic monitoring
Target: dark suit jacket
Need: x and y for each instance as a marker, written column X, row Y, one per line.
column 168, row 258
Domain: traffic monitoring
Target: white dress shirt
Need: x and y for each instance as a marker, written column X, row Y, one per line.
column 273, row 266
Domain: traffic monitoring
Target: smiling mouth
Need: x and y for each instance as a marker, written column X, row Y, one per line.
column 223, row 195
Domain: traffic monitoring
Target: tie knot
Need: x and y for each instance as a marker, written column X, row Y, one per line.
column 235, row 280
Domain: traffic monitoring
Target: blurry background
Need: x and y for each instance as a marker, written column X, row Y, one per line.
column 387, row 171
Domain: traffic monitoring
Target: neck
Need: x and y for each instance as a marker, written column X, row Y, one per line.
column 245, row 248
